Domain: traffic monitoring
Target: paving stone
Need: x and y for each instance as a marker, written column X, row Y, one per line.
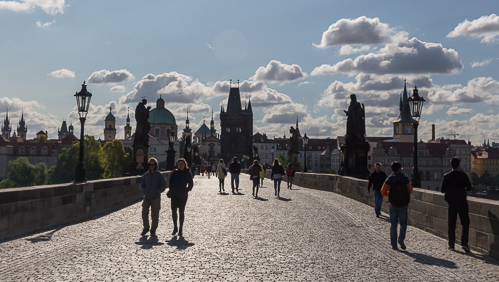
column 306, row 235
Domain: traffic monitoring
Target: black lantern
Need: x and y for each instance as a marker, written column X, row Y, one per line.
column 305, row 145
column 170, row 153
column 416, row 104
column 83, row 103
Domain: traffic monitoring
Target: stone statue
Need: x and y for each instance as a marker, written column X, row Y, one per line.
column 356, row 125
column 143, row 126
column 293, row 140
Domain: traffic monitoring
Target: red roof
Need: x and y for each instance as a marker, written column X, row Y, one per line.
column 406, row 149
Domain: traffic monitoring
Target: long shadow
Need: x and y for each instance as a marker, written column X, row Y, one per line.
column 224, row 193
column 147, row 243
column 484, row 258
column 261, row 199
column 429, row 260
column 239, row 194
column 44, row 237
column 283, row 199
column 294, row 189
column 179, row 242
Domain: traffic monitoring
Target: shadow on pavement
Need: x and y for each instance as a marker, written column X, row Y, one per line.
column 484, row 258
column 283, row 199
column 429, row 260
column 261, row 199
column 294, row 189
column 179, row 242
column 239, row 194
column 224, row 193
column 148, row 243
column 43, row 237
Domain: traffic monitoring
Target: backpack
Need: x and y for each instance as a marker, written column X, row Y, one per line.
column 399, row 194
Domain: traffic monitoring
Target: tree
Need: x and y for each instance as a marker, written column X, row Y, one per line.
column 114, row 159
column 41, row 139
column 283, row 160
column 23, row 174
column 487, row 179
column 332, row 171
column 475, row 179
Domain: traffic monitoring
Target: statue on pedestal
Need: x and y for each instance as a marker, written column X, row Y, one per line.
column 293, row 147
column 141, row 138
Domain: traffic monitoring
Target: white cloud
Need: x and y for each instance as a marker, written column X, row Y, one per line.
column 52, row 7
column 304, row 83
column 480, row 64
column 362, row 31
column 46, row 24
column 485, row 27
column 209, row 46
column 279, row 72
column 348, row 49
column 105, row 76
column 479, row 89
column 287, row 113
column 261, row 94
column 62, row 73
column 453, row 111
column 481, row 118
column 198, row 108
column 406, row 57
column 118, row 89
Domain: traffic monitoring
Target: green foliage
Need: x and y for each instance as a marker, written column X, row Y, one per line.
column 114, row 159
column 475, row 179
column 487, row 179
column 283, row 160
column 333, row 171
column 41, row 139
column 23, row 174
column 245, row 161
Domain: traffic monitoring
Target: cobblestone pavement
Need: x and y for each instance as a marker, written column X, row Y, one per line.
column 306, row 235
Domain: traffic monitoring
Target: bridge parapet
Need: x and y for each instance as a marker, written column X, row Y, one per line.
column 29, row 209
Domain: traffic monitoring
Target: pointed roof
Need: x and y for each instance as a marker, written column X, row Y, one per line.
column 249, row 109
column 203, row 130
column 110, row 116
column 234, row 102
column 405, row 110
column 297, row 129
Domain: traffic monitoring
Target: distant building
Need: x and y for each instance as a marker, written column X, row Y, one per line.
column 483, row 160
column 110, row 127
column 64, row 131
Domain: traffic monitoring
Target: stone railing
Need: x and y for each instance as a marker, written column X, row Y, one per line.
column 30, row 209
column 427, row 210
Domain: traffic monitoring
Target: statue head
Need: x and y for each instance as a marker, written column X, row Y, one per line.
column 144, row 101
column 353, row 97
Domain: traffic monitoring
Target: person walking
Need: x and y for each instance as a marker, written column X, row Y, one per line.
column 398, row 189
column 255, row 176
column 262, row 174
column 276, row 175
column 208, row 170
column 202, row 168
column 213, row 169
column 153, row 183
column 235, row 170
column 221, row 171
column 376, row 180
column 290, row 172
column 180, row 184
column 455, row 185
column 193, row 170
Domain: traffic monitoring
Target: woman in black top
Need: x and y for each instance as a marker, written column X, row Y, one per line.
column 180, row 185
column 277, row 173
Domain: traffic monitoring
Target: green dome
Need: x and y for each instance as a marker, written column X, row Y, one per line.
column 110, row 117
column 161, row 116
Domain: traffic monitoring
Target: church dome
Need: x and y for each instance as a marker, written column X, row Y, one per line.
column 161, row 116
column 110, row 116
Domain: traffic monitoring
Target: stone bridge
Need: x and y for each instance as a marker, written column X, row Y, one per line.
column 324, row 229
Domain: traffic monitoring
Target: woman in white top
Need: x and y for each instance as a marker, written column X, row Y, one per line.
column 221, row 173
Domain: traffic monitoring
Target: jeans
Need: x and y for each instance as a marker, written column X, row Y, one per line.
column 462, row 210
column 396, row 215
column 378, row 200
column 155, row 205
column 234, row 178
column 290, row 181
column 277, row 185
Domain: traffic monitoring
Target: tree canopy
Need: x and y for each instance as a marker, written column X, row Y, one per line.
column 23, row 174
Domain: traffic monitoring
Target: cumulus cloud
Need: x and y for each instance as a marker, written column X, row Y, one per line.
column 105, row 76
column 261, row 95
column 479, row 89
column 481, row 118
column 62, row 73
column 485, row 27
column 118, row 89
column 52, row 7
column 406, row 57
column 287, row 113
column 198, row 108
column 348, row 49
column 480, row 64
column 362, row 30
column 279, row 72
column 454, row 111
column 46, row 24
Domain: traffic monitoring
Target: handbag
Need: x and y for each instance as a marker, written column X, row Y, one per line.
column 224, row 171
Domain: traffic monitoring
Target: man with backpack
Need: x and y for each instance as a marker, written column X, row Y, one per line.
column 455, row 185
column 398, row 189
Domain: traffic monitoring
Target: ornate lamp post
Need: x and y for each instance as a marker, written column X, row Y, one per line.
column 305, row 145
column 416, row 105
column 170, row 153
column 82, row 102
column 272, row 150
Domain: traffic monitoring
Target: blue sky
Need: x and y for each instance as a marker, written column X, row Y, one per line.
column 293, row 58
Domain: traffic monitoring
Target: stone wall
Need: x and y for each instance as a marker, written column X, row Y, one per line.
column 427, row 210
column 31, row 209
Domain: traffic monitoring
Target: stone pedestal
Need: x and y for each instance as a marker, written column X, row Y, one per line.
column 293, row 158
column 137, row 168
column 354, row 161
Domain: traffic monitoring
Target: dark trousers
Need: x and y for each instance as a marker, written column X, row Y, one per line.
column 155, row 205
column 460, row 208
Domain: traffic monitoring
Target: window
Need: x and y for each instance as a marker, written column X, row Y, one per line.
column 156, row 132
column 227, row 129
column 32, row 151
column 44, row 151
column 427, row 175
column 110, row 126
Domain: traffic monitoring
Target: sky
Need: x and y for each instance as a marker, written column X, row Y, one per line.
column 293, row 60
